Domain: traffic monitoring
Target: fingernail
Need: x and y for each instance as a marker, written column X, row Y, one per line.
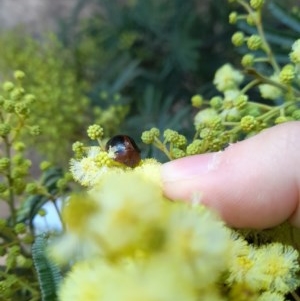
column 190, row 167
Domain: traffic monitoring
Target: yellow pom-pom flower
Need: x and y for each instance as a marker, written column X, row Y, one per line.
column 270, row 91
column 227, row 78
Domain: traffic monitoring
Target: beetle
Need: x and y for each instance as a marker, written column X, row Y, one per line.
column 125, row 150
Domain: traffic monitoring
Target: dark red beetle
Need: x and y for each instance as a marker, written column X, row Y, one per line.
column 125, row 149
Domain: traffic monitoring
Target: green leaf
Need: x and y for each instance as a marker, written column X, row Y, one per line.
column 48, row 273
column 50, row 178
column 30, row 207
column 284, row 17
column 279, row 40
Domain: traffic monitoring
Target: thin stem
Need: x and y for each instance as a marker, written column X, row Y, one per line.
column 246, row 6
column 230, row 123
column 250, row 85
column 295, row 296
column 266, row 45
column 162, row 147
column 273, row 112
column 261, row 60
column 259, row 27
column 11, row 196
column 266, row 80
column 53, row 200
column 261, row 105
column 100, row 142
column 58, row 213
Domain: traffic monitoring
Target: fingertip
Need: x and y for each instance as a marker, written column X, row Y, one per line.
column 253, row 183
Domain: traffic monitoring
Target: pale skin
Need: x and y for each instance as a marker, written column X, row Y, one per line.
column 254, row 183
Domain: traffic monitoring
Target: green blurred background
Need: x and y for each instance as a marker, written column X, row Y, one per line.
column 127, row 65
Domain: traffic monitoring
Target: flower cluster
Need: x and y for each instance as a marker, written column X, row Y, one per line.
column 61, row 109
column 124, row 231
column 92, row 163
column 265, row 93
column 15, row 111
column 21, row 196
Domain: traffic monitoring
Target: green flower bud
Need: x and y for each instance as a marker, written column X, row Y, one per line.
column 29, row 98
column 233, row 17
column 240, row 102
column 45, row 165
column 216, row 102
column 95, row 132
column 215, row 144
column 19, row 146
column 215, row 123
column 238, row 38
column 197, row 101
column 14, row 250
column 248, row 123
column 254, row 42
column 252, row 19
column 21, row 108
column 296, row 114
column 5, row 129
column 9, row 106
column 68, row 176
column 287, row 74
column 257, row 4
column 155, row 132
column 20, row 228
column 247, row 60
column 281, row 119
column 17, row 93
column 148, row 137
column 8, row 86
column 180, row 141
column 18, row 159
column 177, row 153
column 4, row 163
column 26, row 163
column 19, row 172
column 32, row 188
column 62, row 184
column 194, row 148
column 19, row 185
column 206, row 133
column 19, row 75
column 170, row 136
column 78, row 148
column 24, row 262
